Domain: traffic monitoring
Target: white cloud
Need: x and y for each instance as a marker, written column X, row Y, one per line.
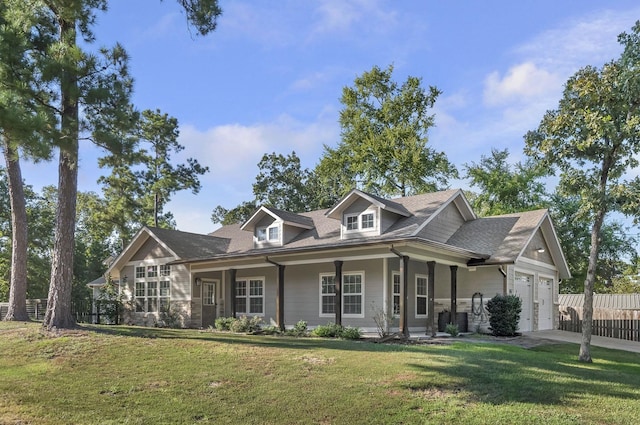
column 524, row 82
column 589, row 40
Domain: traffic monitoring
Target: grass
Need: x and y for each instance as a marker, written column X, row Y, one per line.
column 131, row 375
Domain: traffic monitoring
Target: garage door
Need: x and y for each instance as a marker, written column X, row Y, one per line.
column 545, row 304
column 522, row 288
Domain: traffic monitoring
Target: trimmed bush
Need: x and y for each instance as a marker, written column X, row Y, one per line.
column 331, row 330
column 504, row 314
column 246, row 325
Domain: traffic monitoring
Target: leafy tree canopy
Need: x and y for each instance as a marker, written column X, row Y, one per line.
column 384, row 139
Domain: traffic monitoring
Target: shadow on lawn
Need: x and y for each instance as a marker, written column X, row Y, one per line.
column 498, row 374
column 284, row 342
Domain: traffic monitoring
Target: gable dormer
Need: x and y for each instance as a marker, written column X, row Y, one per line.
column 364, row 215
column 272, row 227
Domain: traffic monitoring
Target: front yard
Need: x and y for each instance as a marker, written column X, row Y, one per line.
column 131, row 375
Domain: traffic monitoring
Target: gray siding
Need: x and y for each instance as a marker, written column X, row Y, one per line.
column 531, row 251
column 443, row 225
column 150, row 250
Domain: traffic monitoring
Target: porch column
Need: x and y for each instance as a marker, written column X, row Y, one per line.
column 431, row 322
column 280, row 298
column 232, row 275
column 337, row 282
column 404, row 296
column 454, row 294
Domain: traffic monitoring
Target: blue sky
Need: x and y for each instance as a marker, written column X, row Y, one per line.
column 269, row 79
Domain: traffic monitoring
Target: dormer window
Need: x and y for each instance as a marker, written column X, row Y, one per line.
column 363, row 222
column 271, row 234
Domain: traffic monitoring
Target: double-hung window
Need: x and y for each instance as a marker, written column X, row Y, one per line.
column 152, row 288
column 268, row 234
column 421, row 296
column 327, row 295
column 365, row 221
column 250, row 296
column 352, row 294
column 396, row 294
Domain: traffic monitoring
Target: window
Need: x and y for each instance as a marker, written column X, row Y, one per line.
column 352, row 294
column 327, row 295
column 367, row 221
column 152, row 294
column 364, row 222
column 250, row 296
column 396, row 294
column 271, row 234
column 152, row 271
column 209, row 293
column 421, row 296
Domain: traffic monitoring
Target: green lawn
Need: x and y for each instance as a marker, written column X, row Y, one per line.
column 130, row 375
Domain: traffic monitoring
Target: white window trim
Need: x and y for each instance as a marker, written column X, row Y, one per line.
column 360, row 229
column 145, row 282
column 393, row 294
column 321, row 314
column 267, row 240
column 362, row 287
column 426, row 297
column 344, row 315
column 248, row 296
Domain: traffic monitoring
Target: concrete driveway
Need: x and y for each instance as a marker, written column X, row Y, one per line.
column 576, row 337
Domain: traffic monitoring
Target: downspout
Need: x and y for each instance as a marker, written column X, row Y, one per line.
column 504, row 280
column 404, row 273
column 279, row 294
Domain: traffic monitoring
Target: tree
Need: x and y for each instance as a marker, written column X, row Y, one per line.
column 281, row 183
column 505, row 188
column 384, row 139
column 593, row 139
column 22, row 119
column 143, row 178
column 99, row 87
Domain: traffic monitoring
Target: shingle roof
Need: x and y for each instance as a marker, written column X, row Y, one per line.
column 290, row 217
column 191, row 245
column 503, row 237
column 603, row 301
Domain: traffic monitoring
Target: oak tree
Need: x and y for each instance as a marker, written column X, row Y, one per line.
column 593, row 140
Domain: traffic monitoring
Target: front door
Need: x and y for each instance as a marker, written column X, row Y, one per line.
column 208, row 303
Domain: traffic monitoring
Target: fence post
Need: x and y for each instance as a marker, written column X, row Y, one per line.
column 97, row 312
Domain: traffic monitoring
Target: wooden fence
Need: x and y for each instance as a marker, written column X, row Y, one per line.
column 620, row 324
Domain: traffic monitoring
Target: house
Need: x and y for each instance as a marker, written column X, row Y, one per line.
column 406, row 260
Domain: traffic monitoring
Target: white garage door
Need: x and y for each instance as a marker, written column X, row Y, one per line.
column 545, row 304
column 522, row 288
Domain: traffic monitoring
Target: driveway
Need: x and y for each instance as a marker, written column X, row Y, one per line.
column 576, row 337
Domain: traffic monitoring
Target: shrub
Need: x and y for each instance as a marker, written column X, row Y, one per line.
column 504, row 314
column 169, row 317
column 224, row 323
column 300, row 329
column 271, row 330
column 350, row 333
column 331, row 330
column 246, row 325
column 452, row 329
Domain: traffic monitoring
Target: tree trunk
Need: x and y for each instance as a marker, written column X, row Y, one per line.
column 58, row 314
column 18, row 287
column 587, row 310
